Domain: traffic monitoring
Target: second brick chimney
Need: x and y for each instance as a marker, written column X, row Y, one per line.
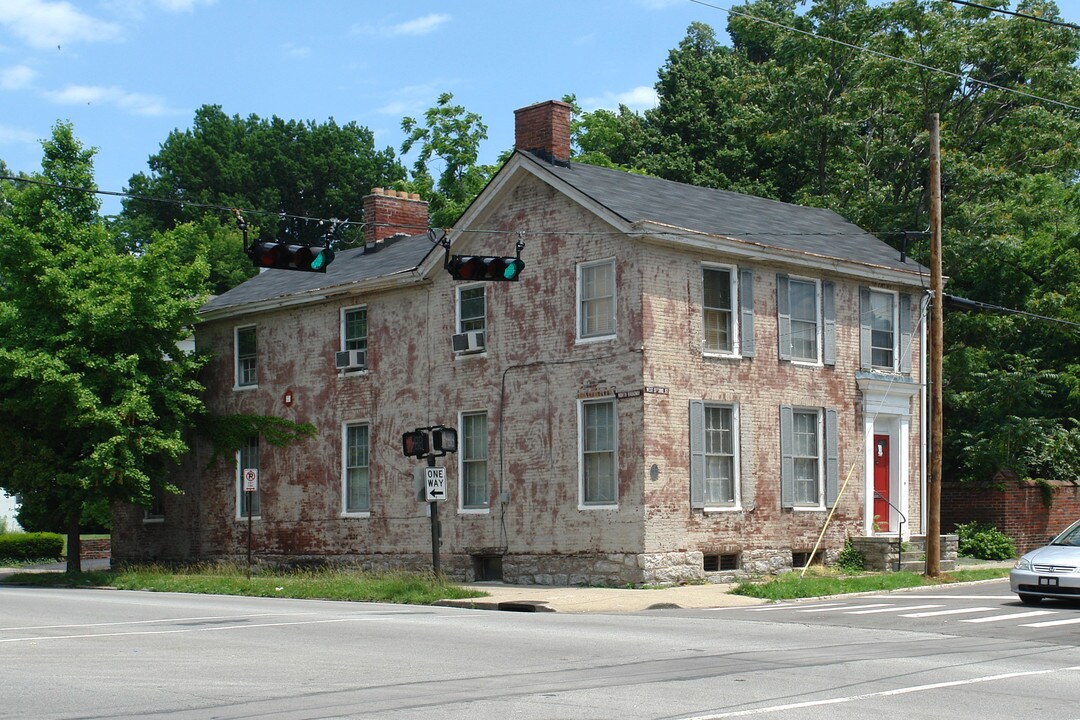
column 392, row 212
column 543, row 129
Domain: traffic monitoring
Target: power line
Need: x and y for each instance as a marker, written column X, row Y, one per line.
column 1058, row 23
column 878, row 53
column 960, row 303
column 421, row 229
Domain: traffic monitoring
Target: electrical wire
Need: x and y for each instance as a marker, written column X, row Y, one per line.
column 1048, row 21
column 878, row 53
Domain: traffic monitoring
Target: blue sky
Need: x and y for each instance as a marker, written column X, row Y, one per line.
column 128, row 72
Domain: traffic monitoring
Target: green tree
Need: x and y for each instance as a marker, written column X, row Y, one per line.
column 275, row 167
column 784, row 113
column 95, row 393
column 450, row 137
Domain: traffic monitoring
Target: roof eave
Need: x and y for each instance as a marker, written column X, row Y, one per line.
column 393, row 281
column 670, row 235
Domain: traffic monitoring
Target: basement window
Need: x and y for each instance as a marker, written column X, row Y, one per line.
column 801, row 558
column 721, row 563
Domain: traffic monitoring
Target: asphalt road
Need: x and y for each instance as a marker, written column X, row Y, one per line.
column 111, row 654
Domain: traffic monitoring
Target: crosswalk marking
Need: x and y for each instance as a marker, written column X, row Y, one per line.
column 789, row 606
column 901, row 608
column 954, row 611
column 843, row 608
column 1012, row 616
column 1052, row 623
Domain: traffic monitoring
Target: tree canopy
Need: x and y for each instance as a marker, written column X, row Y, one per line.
column 95, row 393
column 285, row 169
column 788, row 114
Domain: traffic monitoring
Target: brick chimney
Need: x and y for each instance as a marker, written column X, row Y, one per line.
column 543, row 129
column 392, row 212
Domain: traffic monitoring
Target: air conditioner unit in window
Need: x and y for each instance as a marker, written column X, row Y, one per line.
column 469, row 342
column 350, row 360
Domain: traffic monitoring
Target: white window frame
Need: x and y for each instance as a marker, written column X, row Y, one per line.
column 819, row 322
column 819, row 459
column 348, row 343
column 241, row 513
column 734, row 311
column 581, row 301
column 345, row 511
column 464, row 459
column 238, row 365
column 460, row 321
column 584, row 504
column 895, row 320
column 736, row 502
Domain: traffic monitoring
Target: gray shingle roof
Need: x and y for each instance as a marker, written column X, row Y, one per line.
column 720, row 212
column 349, row 267
column 632, row 197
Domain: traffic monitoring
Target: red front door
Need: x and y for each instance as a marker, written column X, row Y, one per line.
column 881, row 483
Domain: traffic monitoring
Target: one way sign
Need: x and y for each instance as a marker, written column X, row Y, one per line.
column 435, row 481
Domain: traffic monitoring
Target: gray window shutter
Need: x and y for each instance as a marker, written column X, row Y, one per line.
column 865, row 355
column 832, row 458
column 787, row 457
column 828, row 308
column 746, row 304
column 783, row 316
column 697, row 454
column 905, row 333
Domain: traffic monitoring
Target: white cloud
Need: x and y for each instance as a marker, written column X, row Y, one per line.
column 16, row 77
column 410, row 100
column 42, row 24
column 296, row 51
column 13, row 135
column 640, row 98
column 415, row 27
column 134, row 103
column 183, row 5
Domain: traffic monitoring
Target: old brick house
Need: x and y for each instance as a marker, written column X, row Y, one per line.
column 681, row 385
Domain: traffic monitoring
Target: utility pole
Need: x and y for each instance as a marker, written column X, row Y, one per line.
column 937, row 336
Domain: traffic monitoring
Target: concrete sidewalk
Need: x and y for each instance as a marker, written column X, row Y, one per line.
column 546, row 598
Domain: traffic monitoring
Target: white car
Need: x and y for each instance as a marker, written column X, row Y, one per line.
column 1052, row 571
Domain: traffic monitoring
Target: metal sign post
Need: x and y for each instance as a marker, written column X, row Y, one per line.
column 251, row 484
column 433, row 503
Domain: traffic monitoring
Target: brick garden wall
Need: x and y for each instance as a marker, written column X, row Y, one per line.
column 1018, row 509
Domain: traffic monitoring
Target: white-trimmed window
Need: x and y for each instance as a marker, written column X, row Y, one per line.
column 714, row 455
column 471, row 308
column 806, row 320
column 473, row 456
column 245, row 343
column 356, row 473
column 596, row 299
column 727, row 310
column 809, row 468
column 247, row 458
column 598, row 440
column 884, row 330
column 354, row 329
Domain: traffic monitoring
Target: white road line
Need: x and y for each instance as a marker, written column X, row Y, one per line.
column 788, row 606
column 150, row 622
column 940, row 596
column 1013, row 616
column 900, row 608
column 884, row 693
column 845, row 608
column 218, row 628
column 954, row 611
column 1052, row 623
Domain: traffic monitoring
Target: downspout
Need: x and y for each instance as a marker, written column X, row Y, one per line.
column 923, row 416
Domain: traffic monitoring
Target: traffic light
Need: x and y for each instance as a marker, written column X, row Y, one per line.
column 444, row 440
column 480, row 267
column 414, row 443
column 283, row 256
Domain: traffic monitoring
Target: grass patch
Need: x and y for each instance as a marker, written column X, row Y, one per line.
column 323, row 584
column 823, row 582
